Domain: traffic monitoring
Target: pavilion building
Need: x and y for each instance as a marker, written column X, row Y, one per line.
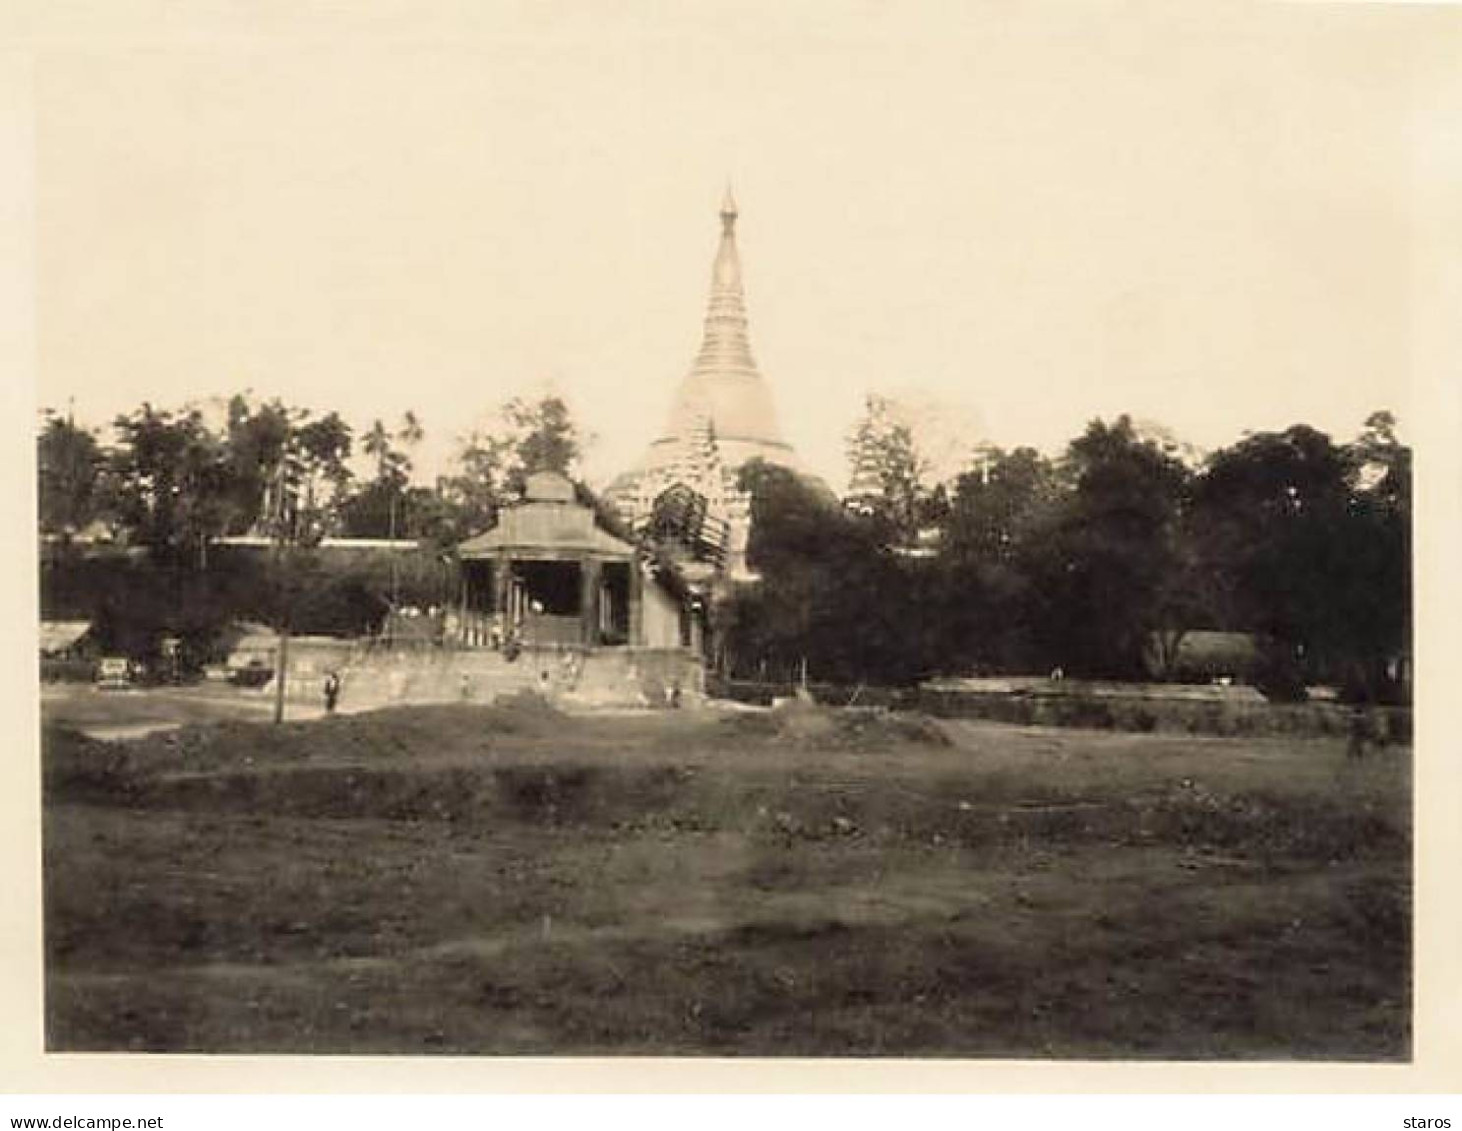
column 548, row 575
column 546, row 601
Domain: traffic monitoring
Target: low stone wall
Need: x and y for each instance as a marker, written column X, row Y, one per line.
column 763, row 693
column 574, row 677
column 1142, row 708
column 1210, row 692
column 1237, row 716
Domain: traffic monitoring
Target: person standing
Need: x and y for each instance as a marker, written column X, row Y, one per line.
column 1360, row 732
column 332, row 692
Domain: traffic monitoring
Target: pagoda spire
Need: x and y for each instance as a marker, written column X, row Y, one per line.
column 722, row 416
column 724, row 386
column 726, row 343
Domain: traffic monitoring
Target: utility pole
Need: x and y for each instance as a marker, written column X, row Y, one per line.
column 395, row 575
column 281, row 649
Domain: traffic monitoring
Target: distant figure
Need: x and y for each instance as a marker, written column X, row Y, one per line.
column 1057, row 675
column 332, row 692
column 1360, row 733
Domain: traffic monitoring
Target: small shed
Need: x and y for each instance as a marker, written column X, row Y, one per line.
column 252, row 659
column 1202, row 654
column 68, row 650
column 65, row 639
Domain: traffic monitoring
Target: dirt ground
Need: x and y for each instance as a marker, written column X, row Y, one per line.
column 513, row 881
column 135, row 712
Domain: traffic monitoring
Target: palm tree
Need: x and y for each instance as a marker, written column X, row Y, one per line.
column 411, row 432
column 377, row 442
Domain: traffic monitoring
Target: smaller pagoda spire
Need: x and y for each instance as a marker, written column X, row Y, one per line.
column 728, row 209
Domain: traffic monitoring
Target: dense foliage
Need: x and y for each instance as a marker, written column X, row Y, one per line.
column 1097, row 563
column 132, row 529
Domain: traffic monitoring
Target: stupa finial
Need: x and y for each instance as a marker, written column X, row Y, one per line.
column 728, row 207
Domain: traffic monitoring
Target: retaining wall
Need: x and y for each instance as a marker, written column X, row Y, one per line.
column 1176, row 715
column 372, row 677
column 1166, row 708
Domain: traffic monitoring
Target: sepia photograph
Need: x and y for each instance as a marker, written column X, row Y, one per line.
column 732, row 531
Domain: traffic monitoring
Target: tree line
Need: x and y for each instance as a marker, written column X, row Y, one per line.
column 1098, row 562
column 173, row 485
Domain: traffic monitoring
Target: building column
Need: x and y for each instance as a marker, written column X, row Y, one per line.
column 636, row 603
column 589, row 601
column 501, row 570
column 502, row 574
column 464, row 569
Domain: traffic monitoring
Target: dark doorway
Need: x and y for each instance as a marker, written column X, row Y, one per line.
column 614, row 603
column 545, row 602
column 551, row 588
column 478, row 586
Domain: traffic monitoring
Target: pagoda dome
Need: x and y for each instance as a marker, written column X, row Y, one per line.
column 724, row 388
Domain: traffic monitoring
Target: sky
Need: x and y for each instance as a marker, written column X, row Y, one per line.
column 1026, row 215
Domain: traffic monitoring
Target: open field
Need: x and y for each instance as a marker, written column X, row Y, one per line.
column 510, row 880
column 130, row 713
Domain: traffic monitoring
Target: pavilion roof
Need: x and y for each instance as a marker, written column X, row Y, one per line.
column 549, row 521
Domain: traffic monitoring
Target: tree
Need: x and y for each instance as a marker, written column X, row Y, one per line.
column 493, row 463
column 980, row 584
column 283, row 462
column 411, row 432
column 829, row 594
column 174, row 482
column 378, row 509
column 887, row 474
column 1273, row 515
column 323, row 451
column 257, row 436
column 1378, row 604
column 391, row 464
column 69, row 465
column 1379, row 467
column 405, row 519
column 1312, row 543
column 996, row 504
column 542, row 436
column 470, row 495
column 1107, row 571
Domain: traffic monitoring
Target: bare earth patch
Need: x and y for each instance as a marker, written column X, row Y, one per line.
column 512, row 880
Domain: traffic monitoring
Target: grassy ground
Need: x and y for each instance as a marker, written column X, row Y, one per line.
column 507, row 880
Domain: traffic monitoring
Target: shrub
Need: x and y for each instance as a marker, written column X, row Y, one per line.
column 1278, row 676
